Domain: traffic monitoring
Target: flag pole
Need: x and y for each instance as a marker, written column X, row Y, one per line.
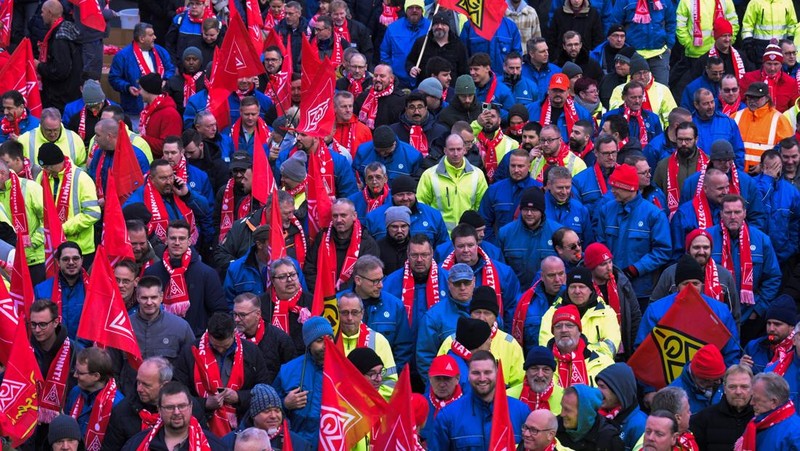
column 425, row 42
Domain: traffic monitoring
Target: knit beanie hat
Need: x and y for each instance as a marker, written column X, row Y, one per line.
column 721, row 149
column 151, row 83
column 532, row 197
column 49, row 154
column 485, row 298
column 687, row 268
column 314, row 328
column 571, row 69
column 625, row 177
column 383, row 137
column 364, row 359
column 638, row 64
column 263, row 397
column 403, row 184
column 625, row 54
column 783, row 309
column 540, row 355
column 193, row 51
column 569, row 313
column 137, row 211
column 595, row 255
column 472, row 218
column 694, row 234
column 773, row 52
column 92, row 92
column 431, row 86
column 394, row 214
column 722, row 27
column 295, row 167
column 465, row 86
column 63, row 426
column 582, row 275
column 519, row 111
column 471, row 332
column 708, row 363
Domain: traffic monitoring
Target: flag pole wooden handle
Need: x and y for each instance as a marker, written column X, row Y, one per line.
column 425, row 42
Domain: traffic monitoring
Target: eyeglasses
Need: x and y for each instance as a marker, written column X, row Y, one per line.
column 532, row 430
column 574, row 246
column 42, row 325
column 375, row 282
column 374, row 374
column 287, row 276
column 238, row 315
column 420, row 256
column 70, row 259
column 174, row 407
column 415, row 107
column 548, row 140
column 730, row 89
column 354, row 312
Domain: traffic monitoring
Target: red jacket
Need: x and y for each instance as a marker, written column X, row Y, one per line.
column 164, row 121
column 785, row 93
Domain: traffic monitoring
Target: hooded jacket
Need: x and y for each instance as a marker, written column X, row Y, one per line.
column 698, row 398
column 630, row 420
column 500, row 202
column 593, row 432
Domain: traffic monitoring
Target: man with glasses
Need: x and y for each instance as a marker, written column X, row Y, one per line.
column 329, row 45
column 178, row 426
column 72, row 282
column 418, row 127
column 357, row 336
column 357, row 79
column 554, row 152
column 729, row 95
column 186, row 30
column 685, row 161
column 590, row 187
column 127, row 275
column 275, row 345
column 539, row 431
column 567, row 245
column 200, row 156
column 286, row 305
column 51, row 130
column 559, row 107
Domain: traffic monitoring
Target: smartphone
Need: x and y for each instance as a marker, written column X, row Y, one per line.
column 486, row 106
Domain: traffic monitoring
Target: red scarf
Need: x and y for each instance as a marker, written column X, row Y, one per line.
column 12, row 127
column 713, row 288
column 98, row 418
column 373, row 203
column 149, row 419
column 613, row 295
column 686, row 442
column 772, row 82
column 642, row 14
column 521, row 314
column 745, row 260
column 638, row 115
column 160, row 217
column 325, row 163
column 270, row 20
column 560, row 159
column 350, row 257
column 570, row 113
column 738, row 64
column 260, row 329
column 488, row 149
column 207, row 380
column 431, row 289
column 98, row 172
column 572, row 366
column 82, row 123
column 27, row 171
column 46, row 41
column 418, row 139
column 197, row 439
column 342, row 31
column 492, row 88
column 355, row 86
column 56, row 293
column 176, row 296
column 438, row 404
column 227, row 215
column 190, row 85
column 280, row 313
column 363, row 336
column 601, row 180
column 730, row 109
column 369, row 109
column 300, row 188
column 697, row 31
column 140, row 61
column 489, row 274
column 55, row 385
column 62, row 204
column 260, row 128
column 610, row 414
column 388, row 14
column 673, row 190
column 536, row 401
column 147, row 112
column 19, row 215
column 783, row 354
column 459, row 350
column 181, row 171
column 748, row 440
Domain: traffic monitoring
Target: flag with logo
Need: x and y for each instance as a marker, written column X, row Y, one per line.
column 397, row 429
column 104, row 319
column 9, row 319
column 484, row 15
column 6, row 11
column 316, row 94
column 21, row 286
column 19, row 392
column 325, row 303
column 19, row 74
column 350, row 405
column 115, row 238
column 660, row 358
column 90, row 14
column 53, row 233
column 279, row 87
column 502, row 435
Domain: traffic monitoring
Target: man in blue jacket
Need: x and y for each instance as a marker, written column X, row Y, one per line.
column 643, row 124
column 701, row 378
column 418, row 126
column 775, row 348
column 502, row 198
column 17, row 118
column 713, row 125
column 536, row 65
column 558, row 107
column 106, row 135
column 489, row 88
column 72, row 284
column 777, row 426
column 467, row 422
column 400, row 36
column 143, row 56
column 344, row 180
column 504, row 41
column 197, row 179
column 398, row 157
column 709, row 80
column 650, row 32
column 620, row 404
column 536, row 300
column 563, row 208
column 591, row 185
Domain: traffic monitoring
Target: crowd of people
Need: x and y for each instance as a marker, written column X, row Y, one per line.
column 536, row 209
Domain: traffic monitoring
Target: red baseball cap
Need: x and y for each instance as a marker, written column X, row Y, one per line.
column 559, row 81
column 444, row 365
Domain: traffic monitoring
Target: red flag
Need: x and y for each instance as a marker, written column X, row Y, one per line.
column 485, row 15
column 254, row 22
column 316, row 91
column 90, row 14
column 19, row 400
column 324, row 303
column 673, row 341
column 397, row 429
column 319, row 202
column 238, row 57
column 350, row 406
column 115, row 238
column 6, row 10
column 129, row 175
column 19, row 74
column 104, row 319
column 263, row 180
column 279, row 87
column 53, row 233
column 502, row 436
column 218, row 97
column 8, row 323
column 277, row 243
column 21, row 286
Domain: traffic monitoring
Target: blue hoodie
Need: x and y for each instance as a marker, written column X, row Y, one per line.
column 631, row 420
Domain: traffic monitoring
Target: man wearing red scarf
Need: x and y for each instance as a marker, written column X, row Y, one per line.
column 60, row 62
column 379, row 104
column 675, row 401
column 443, row 379
column 776, row 424
column 776, row 349
column 189, row 80
column 539, row 431
column 160, row 117
column 782, row 87
column 375, row 192
column 701, row 212
column 554, row 152
column 673, row 170
column 643, row 123
column 349, row 132
column 22, row 201
column 492, row 143
column 723, row 49
column 541, row 389
column 417, row 126
column 235, row 200
column 730, row 98
column 356, row 79
column 16, row 118
column 575, row 362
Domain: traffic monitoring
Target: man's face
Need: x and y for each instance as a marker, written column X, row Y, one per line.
column 569, row 411
column 579, row 293
column 149, row 299
column 317, row 350
column 616, row 39
column 173, row 154
column 444, row 78
column 539, row 377
column 420, row 258
column 622, row 68
column 530, row 139
column 376, row 180
column 85, row 379
column 272, row 62
column 191, row 63
column 351, row 313
column 358, row 67
column 567, row 335
column 51, row 129
column 148, row 384
column 381, row 78
column 724, row 42
column 193, row 151
column 513, row 66
column 553, row 276
column 772, row 67
column 622, row 195
column 729, row 90
column 558, row 97
column 686, row 141
column 466, row 250
column 560, row 189
column 536, row 434
column 733, row 214
column 705, row 105
column 777, row 330
column 454, row 150
column 375, row 376
column 715, row 72
column 285, row 281
column 322, row 31
column 147, row 40
column 489, row 121
column 461, row 291
column 578, row 138
column 70, row 262
column 139, row 243
column 658, row 435
column 487, row 316
column 606, row 154
column 790, row 158
column 480, row 74
column 683, row 416
column 15, row 164
column 761, row 401
column 414, row 14
column 43, row 325
column 369, row 283
column 295, row 91
column 604, row 270
column 177, row 241
column 570, row 249
column 246, row 317
column 269, row 419
column 738, row 390
column 407, row 199
column 789, row 54
column 249, row 115
column 700, row 250
column 716, row 187
column 634, row 99
column 540, row 53
column 344, row 109
column 754, row 103
column 175, row 411
column 339, row 16
column 210, row 36
column 466, row 99
column 66, row 444
column 397, row 231
column 519, row 168
column 573, row 46
column 126, row 281
column 343, row 216
column 163, row 178
column 443, row 386
column 643, row 172
column 549, row 141
column 482, row 377
column 440, row 30
column 610, row 399
column 417, row 111
column 207, row 126
column 11, row 111
column 292, row 16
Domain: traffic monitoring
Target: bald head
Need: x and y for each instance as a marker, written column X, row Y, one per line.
column 108, row 126
column 53, row 7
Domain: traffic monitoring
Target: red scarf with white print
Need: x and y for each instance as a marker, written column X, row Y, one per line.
column 746, row 295
column 299, row 241
column 438, row 404
column 207, row 380
column 628, row 114
column 227, row 214
column 748, row 441
column 489, row 274
column 378, row 200
column 369, row 109
column 98, row 418
column 12, row 127
column 738, row 67
column 259, row 335
column 697, row 30
column 642, row 14
column 418, row 139
column 536, row 401
column 388, row 14
column 19, row 215
column 355, row 86
column 570, row 113
column 140, row 61
column 160, row 216
column 281, row 309
column 783, row 354
column 488, row 150
column 601, row 180
column 431, row 289
column 62, row 203
column 27, row 171
column 686, row 442
column 190, row 85
column 54, row 390
column 147, row 113
column 521, row 314
column 176, row 296
column 197, row 440
column 260, row 128
column 673, row 190
column 730, row 109
column 571, row 366
column 613, row 295
column 351, row 256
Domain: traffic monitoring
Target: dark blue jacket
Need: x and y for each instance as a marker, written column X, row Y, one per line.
column 687, row 99
column 72, row 298
column 659, row 148
column 535, row 112
column 304, row 373
column 540, row 77
column 572, row 214
column 438, row 323
column 344, row 179
column 505, row 40
column 424, row 219
column 651, row 122
column 697, row 397
column 388, row 316
column 393, row 284
column 88, row 403
column 244, row 276
column 782, row 205
column 397, row 43
column 361, row 204
column 108, row 161
column 25, row 125
column 500, row 202
column 719, row 126
column 199, row 102
column 760, row 351
column 658, row 33
column 524, row 91
column 194, row 200
column 524, row 248
column 792, row 377
column 586, row 188
column 533, row 320
column 405, row 159
column 756, row 213
column 125, row 73
column 509, row 288
column 502, row 95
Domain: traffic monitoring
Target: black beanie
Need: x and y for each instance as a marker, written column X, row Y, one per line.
column 364, row 359
column 687, row 268
column 471, row 332
column 403, row 184
column 532, row 197
column 484, row 297
column 151, row 83
column 49, row 154
column 582, row 275
column 472, row 218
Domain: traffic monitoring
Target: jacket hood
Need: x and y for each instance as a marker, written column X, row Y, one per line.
column 620, row 379
column 589, row 400
column 167, row 103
